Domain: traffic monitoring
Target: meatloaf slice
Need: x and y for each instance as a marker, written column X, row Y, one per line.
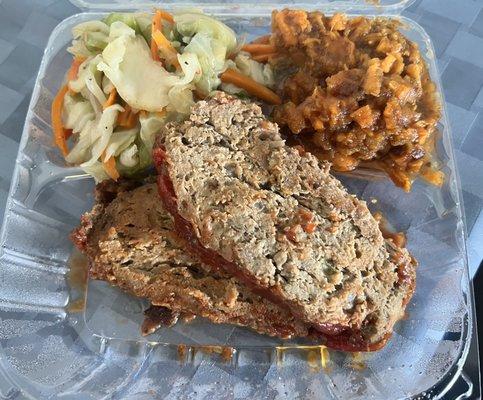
column 129, row 240
column 279, row 222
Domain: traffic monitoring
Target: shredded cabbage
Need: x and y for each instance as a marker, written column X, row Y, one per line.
column 151, row 124
column 118, row 56
column 94, row 137
column 81, row 149
column 101, row 133
column 262, row 73
column 144, row 24
column 211, row 55
column 90, row 38
column 128, row 19
column 120, row 140
column 93, row 80
column 90, row 26
column 142, row 157
column 139, row 80
column 97, row 171
column 129, row 157
column 118, row 29
column 90, row 78
column 76, row 113
column 107, row 85
column 231, row 88
column 189, row 24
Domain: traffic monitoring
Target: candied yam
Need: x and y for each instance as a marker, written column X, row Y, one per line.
column 345, row 83
column 403, row 91
column 387, row 63
column 398, row 65
column 392, row 115
column 291, row 116
column 361, row 92
column 331, row 52
column 338, row 22
column 387, row 46
column 299, row 86
column 344, row 162
column 364, row 116
column 288, row 25
column 414, row 71
column 433, row 176
column 400, row 178
column 373, row 79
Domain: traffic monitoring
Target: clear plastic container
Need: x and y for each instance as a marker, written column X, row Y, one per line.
column 55, row 346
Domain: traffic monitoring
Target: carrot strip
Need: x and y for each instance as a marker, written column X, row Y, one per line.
column 256, row 48
column 166, row 48
column 262, row 40
column 110, row 166
column 156, row 27
column 251, row 86
column 123, row 116
column 263, row 57
column 127, row 118
column 57, row 125
column 154, row 50
column 132, row 120
column 74, row 68
column 111, row 99
column 165, row 15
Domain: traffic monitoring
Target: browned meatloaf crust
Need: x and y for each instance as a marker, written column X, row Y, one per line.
column 129, row 240
column 279, row 222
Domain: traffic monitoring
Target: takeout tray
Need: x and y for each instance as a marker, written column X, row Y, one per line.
column 62, row 338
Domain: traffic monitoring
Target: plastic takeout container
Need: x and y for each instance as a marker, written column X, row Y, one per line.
column 64, row 338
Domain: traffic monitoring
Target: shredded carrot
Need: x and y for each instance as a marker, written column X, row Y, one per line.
column 159, row 15
column 111, row 99
column 251, row 86
column 256, row 48
column 128, row 118
column 154, row 27
column 74, row 68
column 154, row 50
column 110, row 166
column 262, row 40
column 123, row 116
column 132, row 120
column 57, row 125
column 165, row 15
column 166, row 48
column 263, row 57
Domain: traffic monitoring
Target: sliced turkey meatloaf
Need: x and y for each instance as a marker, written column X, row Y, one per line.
column 129, row 240
column 274, row 218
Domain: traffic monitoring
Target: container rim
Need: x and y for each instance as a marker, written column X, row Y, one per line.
column 359, row 7
column 454, row 370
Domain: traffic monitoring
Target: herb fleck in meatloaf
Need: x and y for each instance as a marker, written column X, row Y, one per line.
column 279, row 222
column 129, row 240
